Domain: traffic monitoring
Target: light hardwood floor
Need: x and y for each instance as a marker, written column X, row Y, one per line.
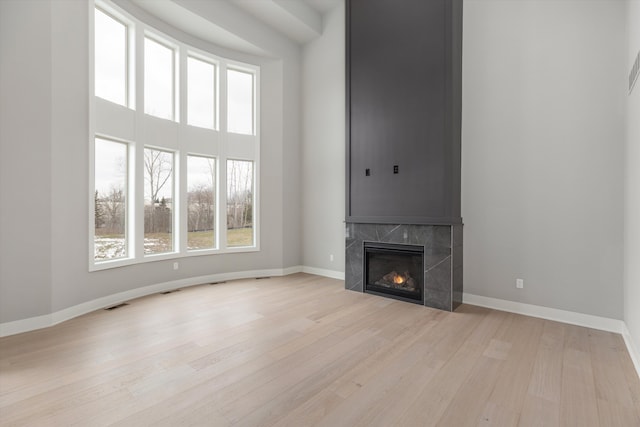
column 300, row 350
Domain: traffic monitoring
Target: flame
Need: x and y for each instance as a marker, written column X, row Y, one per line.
column 398, row 279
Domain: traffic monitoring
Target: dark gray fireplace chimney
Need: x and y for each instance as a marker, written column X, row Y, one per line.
column 404, row 87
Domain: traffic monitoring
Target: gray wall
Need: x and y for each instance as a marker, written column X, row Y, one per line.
column 25, row 159
column 44, row 185
column 632, row 184
column 323, row 151
column 543, row 138
column 290, row 174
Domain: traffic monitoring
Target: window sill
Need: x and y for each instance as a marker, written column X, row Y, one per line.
column 124, row 262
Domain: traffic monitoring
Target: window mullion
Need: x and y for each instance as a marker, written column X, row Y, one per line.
column 178, row 72
column 222, row 158
column 138, row 204
column 182, row 211
column 178, row 202
column 222, row 98
column 221, row 219
column 132, row 69
column 256, row 159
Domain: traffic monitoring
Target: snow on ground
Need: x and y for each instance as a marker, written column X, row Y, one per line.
column 109, row 248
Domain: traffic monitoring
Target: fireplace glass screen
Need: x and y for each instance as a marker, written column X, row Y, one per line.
column 394, row 270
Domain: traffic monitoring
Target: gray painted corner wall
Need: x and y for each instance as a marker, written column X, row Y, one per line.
column 543, row 132
column 323, row 149
column 291, row 221
column 25, row 159
column 632, row 184
column 44, row 148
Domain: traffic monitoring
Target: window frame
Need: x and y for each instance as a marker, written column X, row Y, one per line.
column 254, row 103
column 175, row 201
column 129, row 59
column 216, row 201
column 216, row 88
column 164, row 41
column 141, row 130
column 254, row 203
column 129, row 197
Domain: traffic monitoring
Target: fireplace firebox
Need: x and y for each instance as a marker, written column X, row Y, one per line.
column 394, row 270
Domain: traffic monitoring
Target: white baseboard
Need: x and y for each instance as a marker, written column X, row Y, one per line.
column 39, row 322
column 580, row 319
column 291, row 270
column 570, row 317
column 322, row 272
column 25, row 325
column 632, row 348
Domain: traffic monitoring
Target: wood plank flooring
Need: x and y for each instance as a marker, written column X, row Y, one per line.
column 301, row 351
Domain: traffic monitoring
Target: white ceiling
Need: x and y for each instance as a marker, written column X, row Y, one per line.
column 323, row 6
column 218, row 21
column 196, row 25
column 295, row 19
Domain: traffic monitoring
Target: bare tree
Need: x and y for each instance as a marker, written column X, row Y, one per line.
column 232, row 194
column 239, row 194
column 113, row 205
column 200, row 208
column 247, row 194
column 158, row 166
column 98, row 212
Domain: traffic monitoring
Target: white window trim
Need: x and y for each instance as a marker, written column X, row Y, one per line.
column 175, row 201
column 195, row 54
column 129, row 235
column 236, row 66
column 218, row 146
column 129, row 24
column 174, row 47
column 256, row 204
column 216, row 191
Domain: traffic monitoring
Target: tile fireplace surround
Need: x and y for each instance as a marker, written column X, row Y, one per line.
column 442, row 257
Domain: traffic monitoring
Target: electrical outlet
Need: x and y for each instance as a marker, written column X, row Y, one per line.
column 519, row 283
column 176, row 265
column 331, row 257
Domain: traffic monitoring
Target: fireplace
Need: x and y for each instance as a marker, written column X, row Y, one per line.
column 394, row 270
column 403, row 146
column 431, row 254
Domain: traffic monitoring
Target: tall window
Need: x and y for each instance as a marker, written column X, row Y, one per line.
column 201, row 94
column 158, row 201
column 158, row 79
column 239, row 203
column 157, row 196
column 240, row 102
column 201, row 202
column 110, row 200
column 110, row 58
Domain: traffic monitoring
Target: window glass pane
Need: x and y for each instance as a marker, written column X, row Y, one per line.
column 110, row 200
column 158, row 201
column 239, row 203
column 200, row 93
column 158, row 79
column 239, row 102
column 201, row 184
column 110, row 58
